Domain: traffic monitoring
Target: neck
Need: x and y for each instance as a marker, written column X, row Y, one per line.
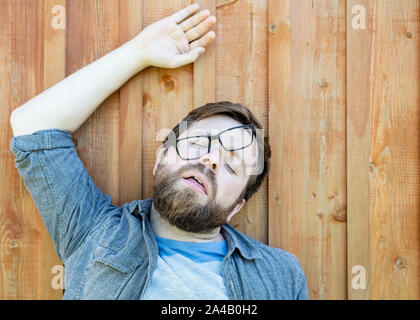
column 163, row 229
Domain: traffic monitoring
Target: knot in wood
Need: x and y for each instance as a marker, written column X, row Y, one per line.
column 323, row 84
column 400, row 263
column 273, row 27
column 13, row 243
column 168, row 83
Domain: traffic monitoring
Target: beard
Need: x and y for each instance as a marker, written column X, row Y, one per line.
column 181, row 206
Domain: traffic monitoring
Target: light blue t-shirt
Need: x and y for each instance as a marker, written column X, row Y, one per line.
column 188, row 271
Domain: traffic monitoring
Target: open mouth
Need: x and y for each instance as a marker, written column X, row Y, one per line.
column 196, row 183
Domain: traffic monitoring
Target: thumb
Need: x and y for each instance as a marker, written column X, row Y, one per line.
column 187, row 58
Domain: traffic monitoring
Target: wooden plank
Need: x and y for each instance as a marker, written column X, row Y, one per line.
column 131, row 110
column 310, row 199
column 205, row 66
column 279, row 76
column 54, row 71
column 394, row 150
column 93, row 30
column 358, row 130
column 241, row 77
column 21, row 228
column 303, row 206
column 167, row 95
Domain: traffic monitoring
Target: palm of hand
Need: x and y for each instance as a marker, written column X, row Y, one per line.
column 164, row 40
column 166, row 43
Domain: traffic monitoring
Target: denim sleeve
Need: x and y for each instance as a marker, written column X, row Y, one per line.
column 301, row 288
column 303, row 292
column 67, row 199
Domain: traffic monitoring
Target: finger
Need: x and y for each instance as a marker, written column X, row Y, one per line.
column 187, row 58
column 203, row 41
column 201, row 29
column 194, row 20
column 184, row 13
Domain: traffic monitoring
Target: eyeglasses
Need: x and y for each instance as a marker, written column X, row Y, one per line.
column 232, row 139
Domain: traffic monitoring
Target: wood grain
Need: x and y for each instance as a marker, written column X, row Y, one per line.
column 279, row 77
column 394, row 150
column 22, row 268
column 308, row 194
column 358, row 129
column 205, row 66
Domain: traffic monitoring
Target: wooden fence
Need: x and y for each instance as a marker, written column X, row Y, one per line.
column 335, row 84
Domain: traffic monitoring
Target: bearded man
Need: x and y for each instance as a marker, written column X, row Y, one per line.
column 178, row 244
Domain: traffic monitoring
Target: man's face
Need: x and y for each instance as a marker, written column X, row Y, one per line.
column 192, row 207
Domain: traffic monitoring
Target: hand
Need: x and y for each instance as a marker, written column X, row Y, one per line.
column 172, row 42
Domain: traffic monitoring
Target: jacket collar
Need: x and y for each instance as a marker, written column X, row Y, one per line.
column 235, row 240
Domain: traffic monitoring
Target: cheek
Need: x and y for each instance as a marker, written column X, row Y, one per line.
column 229, row 190
column 171, row 161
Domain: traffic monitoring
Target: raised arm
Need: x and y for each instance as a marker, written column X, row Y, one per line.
column 169, row 43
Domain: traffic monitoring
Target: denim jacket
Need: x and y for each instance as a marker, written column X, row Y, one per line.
column 109, row 251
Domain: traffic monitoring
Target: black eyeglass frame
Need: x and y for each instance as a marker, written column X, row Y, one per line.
column 217, row 136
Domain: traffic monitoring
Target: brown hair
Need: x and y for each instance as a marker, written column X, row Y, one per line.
column 243, row 115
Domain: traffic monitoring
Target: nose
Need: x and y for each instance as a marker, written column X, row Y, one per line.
column 212, row 159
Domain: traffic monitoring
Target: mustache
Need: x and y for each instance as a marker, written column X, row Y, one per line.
column 199, row 167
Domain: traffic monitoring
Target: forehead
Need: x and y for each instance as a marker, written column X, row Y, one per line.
column 213, row 124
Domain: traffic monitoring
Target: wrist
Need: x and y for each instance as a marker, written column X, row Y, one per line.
column 137, row 54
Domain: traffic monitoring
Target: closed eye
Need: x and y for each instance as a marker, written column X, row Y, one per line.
column 230, row 169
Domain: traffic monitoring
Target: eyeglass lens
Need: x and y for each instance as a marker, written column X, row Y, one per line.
column 195, row 147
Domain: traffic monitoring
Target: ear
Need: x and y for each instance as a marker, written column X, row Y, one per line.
column 158, row 158
column 236, row 210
